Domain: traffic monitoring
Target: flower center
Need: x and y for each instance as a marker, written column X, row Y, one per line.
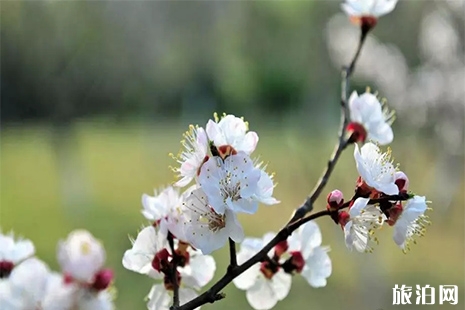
column 85, row 248
column 229, row 189
column 269, row 269
column 214, row 220
column 5, row 269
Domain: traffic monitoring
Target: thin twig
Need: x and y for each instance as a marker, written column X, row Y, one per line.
column 232, row 254
column 174, row 277
column 342, row 141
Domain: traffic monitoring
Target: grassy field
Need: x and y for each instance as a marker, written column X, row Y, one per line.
column 93, row 176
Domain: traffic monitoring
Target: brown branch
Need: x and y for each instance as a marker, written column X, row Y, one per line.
column 232, row 254
column 173, row 272
column 343, row 141
column 211, row 295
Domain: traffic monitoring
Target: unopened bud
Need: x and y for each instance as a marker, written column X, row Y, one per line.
column 102, row 279
column 335, row 200
column 401, row 180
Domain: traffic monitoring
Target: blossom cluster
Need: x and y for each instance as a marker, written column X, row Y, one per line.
column 27, row 283
column 218, row 178
column 381, row 197
column 202, row 217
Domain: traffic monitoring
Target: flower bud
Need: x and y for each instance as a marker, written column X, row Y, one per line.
column 335, row 200
column 5, row 268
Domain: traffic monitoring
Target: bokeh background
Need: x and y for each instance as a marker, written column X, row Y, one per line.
column 94, row 95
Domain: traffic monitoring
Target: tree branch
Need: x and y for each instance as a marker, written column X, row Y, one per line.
column 232, row 254
column 342, row 142
column 174, row 268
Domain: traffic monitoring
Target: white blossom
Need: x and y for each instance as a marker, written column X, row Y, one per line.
column 149, row 242
column 81, row 256
column 364, row 220
column 205, row 229
column 367, row 111
column 195, row 152
column 411, row 222
column 376, row 168
column 25, row 287
column 14, row 250
column 232, row 131
column 164, row 209
column 307, row 242
column 263, row 289
column 231, row 184
column 151, row 250
column 368, row 8
column 161, row 299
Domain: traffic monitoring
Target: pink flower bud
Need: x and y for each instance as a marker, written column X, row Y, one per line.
column 335, row 199
column 402, row 181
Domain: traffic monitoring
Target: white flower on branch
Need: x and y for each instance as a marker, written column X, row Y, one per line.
column 147, row 251
column 376, row 169
column 231, row 183
column 81, row 256
column 310, row 258
column 360, row 9
column 411, row 222
column 161, row 299
column 32, row 286
column 152, row 255
column 265, row 283
column 205, row 229
column 12, row 252
column 232, row 131
column 369, row 119
column 164, row 210
column 195, row 153
column 360, row 225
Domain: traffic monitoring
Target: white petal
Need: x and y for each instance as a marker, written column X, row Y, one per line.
column 358, row 206
column 261, row 295
column 199, row 271
column 311, row 237
column 248, row 278
column 159, row 299
column 139, row 258
column 317, row 267
column 186, row 295
column 99, row 301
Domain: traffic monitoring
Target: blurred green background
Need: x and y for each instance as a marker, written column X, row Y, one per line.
column 96, row 94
